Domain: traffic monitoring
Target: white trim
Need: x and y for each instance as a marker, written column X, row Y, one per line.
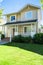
column 13, row 20
column 16, row 30
column 31, row 29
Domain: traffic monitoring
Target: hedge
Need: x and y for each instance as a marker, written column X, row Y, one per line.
column 22, row 39
column 38, row 38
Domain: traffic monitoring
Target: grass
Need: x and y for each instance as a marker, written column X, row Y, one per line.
column 21, row 54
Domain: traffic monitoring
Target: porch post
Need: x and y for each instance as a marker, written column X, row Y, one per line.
column 31, row 29
column 0, row 37
column 16, row 29
column 10, row 35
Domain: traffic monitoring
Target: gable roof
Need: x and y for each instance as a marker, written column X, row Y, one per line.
column 31, row 5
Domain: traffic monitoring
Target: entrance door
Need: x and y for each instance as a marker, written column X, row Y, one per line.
column 13, row 32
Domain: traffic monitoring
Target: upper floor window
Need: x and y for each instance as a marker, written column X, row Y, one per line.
column 28, row 15
column 13, row 18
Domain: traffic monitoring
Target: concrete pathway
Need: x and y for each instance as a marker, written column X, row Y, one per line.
column 3, row 42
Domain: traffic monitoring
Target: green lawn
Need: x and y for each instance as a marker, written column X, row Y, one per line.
column 21, row 54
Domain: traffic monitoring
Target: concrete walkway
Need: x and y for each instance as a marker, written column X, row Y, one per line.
column 3, row 42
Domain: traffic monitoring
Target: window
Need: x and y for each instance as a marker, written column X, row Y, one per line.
column 28, row 15
column 27, row 29
column 13, row 18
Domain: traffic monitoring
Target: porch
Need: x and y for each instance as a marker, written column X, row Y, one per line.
column 24, row 30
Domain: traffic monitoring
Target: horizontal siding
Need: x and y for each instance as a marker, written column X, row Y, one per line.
column 19, row 16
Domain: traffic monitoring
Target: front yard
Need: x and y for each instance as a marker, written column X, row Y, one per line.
column 21, row 54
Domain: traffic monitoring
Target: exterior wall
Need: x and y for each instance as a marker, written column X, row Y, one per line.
column 20, row 15
column 20, row 29
column 34, row 13
column 39, row 20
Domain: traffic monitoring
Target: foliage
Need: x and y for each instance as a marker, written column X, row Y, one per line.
column 27, row 39
column 1, row 12
column 17, row 38
column 38, row 38
column 2, row 36
column 22, row 39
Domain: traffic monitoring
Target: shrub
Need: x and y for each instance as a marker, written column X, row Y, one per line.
column 2, row 36
column 17, row 38
column 22, row 39
column 27, row 39
column 38, row 38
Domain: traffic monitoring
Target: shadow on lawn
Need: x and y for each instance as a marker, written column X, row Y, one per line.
column 29, row 47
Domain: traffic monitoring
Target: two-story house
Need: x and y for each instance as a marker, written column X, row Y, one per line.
column 25, row 22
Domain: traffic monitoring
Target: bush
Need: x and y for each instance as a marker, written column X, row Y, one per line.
column 27, row 39
column 17, row 38
column 2, row 36
column 22, row 39
column 38, row 38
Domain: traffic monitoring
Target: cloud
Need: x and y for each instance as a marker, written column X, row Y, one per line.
column 1, row 1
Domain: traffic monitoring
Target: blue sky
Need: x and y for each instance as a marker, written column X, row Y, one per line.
column 15, row 5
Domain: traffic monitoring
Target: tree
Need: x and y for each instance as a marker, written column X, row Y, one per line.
column 1, row 12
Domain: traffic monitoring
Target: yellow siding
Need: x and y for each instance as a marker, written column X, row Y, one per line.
column 20, row 29
column 18, row 15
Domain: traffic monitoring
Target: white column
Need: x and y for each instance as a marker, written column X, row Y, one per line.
column 16, row 29
column 10, row 35
column 0, row 37
column 31, row 29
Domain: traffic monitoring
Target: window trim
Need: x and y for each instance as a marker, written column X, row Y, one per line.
column 13, row 20
column 28, row 18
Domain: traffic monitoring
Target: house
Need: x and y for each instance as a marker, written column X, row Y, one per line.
column 25, row 22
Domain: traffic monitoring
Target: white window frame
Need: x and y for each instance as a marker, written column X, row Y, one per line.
column 30, row 17
column 13, row 20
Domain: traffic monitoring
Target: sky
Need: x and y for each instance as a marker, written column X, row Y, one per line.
column 10, row 6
